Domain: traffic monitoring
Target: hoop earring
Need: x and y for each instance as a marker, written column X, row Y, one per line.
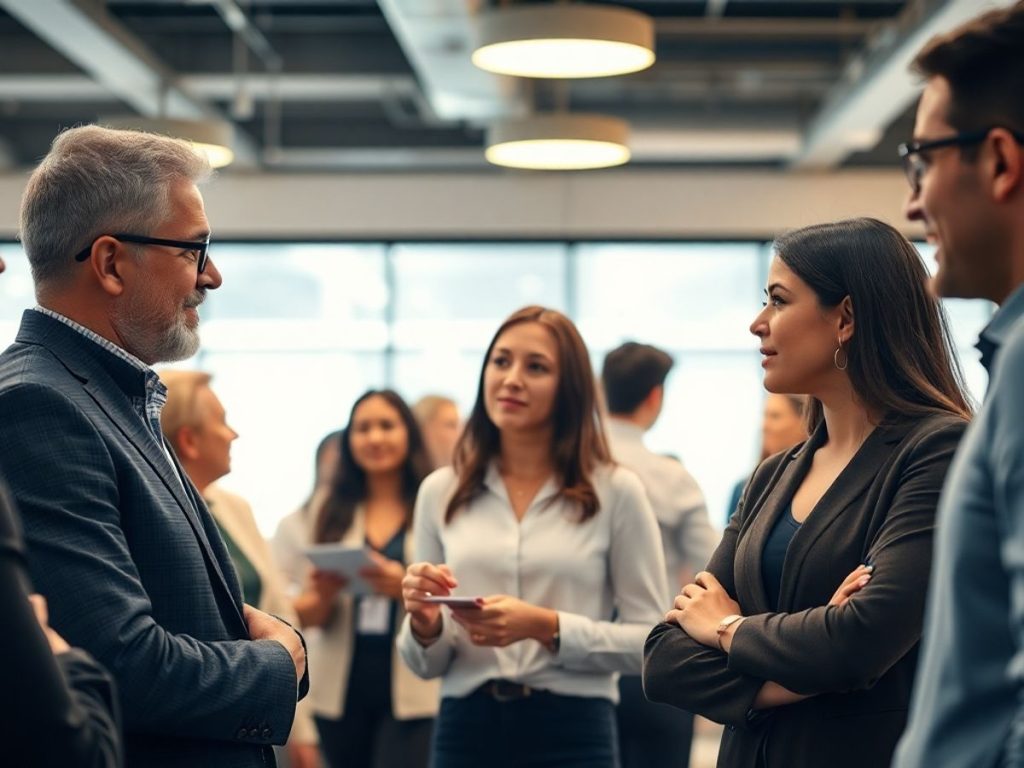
column 846, row 357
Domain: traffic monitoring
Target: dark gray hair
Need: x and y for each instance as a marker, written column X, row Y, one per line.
column 97, row 181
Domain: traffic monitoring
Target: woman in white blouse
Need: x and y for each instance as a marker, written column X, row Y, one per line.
column 536, row 522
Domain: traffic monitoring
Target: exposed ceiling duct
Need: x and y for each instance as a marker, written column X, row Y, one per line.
column 437, row 38
column 116, row 59
column 878, row 86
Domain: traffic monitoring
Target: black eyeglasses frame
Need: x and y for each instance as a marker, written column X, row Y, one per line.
column 201, row 247
column 908, row 149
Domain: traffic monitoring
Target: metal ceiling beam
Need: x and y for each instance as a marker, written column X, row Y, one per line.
column 715, row 9
column 95, row 42
column 218, row 87
column 240, row 23
column 765, row 28
column 879, row 86
column 438, row 38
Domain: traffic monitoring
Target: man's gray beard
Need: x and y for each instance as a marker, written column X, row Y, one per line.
column 142, row 335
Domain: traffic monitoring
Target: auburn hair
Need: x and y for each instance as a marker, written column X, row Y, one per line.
column 579, row 445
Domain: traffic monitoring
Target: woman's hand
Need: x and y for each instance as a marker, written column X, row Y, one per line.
column 317, row 603
column 385, row 576
column 423, row 580
column 700, row 608
column 852, row 584
column 504, row 620
column 57, row 643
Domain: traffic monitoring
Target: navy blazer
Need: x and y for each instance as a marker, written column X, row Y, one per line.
column 856, row 662
column 130, row 559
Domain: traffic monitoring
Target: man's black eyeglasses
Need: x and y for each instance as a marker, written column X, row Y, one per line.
column 914, row 165
column 200, row 247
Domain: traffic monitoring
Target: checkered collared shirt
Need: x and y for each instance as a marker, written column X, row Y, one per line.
column 148, row 407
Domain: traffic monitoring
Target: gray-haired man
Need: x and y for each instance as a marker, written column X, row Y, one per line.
column 116, row 234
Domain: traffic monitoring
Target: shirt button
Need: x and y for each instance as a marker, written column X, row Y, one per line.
column 243, row 733
column 254, row 732
column 267, row 733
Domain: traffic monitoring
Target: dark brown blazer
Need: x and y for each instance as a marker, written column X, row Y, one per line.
column 857, row 661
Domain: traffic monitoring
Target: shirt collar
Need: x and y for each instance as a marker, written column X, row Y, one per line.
column 108, row 345
column 156, row 392
column 620, row 429
column 494, row 483
column 999, row 327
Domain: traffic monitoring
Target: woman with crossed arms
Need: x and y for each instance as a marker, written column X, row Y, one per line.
column 802, row 634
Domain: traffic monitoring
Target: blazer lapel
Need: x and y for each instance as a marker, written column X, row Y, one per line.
column 165, row 465
column 758, row 526
column 856, row 476
column 70, row 348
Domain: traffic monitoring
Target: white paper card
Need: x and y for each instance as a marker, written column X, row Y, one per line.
column 374, row 615
column 345, row 561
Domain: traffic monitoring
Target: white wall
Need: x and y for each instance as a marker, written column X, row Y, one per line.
column 684, row 204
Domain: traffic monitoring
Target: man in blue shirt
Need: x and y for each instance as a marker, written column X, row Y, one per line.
column 966, row 170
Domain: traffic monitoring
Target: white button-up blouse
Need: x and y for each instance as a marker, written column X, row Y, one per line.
column 604, row 576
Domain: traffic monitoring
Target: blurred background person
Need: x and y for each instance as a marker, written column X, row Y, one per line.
column 371, row 710
column 782, row 427
column 293, row 530
column 440, row 424
column 195, row 424
column 633, row 377
column 561, row 548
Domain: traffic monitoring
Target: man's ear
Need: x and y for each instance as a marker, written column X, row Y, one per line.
column 186, row 444
column 1005, row 164
column 105, row 261
column 846, row 319
column 654, row 397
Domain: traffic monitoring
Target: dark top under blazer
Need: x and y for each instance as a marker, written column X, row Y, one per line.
column 130, row 560
column 858, row 661
column 58, row 710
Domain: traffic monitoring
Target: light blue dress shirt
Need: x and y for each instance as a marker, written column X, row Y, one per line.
column 968, row 703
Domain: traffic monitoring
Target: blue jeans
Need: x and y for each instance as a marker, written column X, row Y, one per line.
column 543, row 730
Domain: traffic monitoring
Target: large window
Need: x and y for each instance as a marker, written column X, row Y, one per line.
column 298, row 331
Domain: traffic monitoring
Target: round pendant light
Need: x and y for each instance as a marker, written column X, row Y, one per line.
column 212, row 138
column 558, row 142
column 564, row 41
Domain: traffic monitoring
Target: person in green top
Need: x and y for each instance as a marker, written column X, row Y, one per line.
column 195, row 424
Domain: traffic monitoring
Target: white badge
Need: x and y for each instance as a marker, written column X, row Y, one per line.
column 374, row 615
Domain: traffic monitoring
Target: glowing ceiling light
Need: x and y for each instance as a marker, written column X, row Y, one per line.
column 559, row 142
column 564, row 41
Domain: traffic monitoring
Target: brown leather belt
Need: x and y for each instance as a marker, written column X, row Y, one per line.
column 505, row 690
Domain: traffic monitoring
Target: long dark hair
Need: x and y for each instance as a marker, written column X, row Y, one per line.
column 327, row 441
column 579, row 444
column 349, row 487
column 901, row 360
